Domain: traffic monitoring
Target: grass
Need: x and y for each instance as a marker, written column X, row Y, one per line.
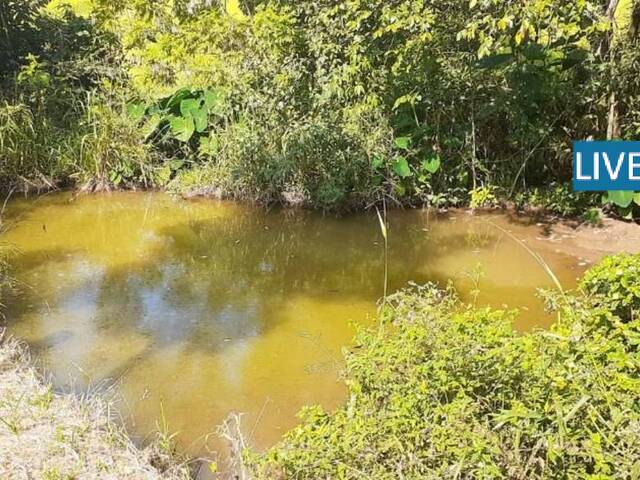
column 48, row 435
column 27, row 143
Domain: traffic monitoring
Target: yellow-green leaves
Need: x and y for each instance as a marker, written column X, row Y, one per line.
column 82, row 8
column 622, row 18
column 431, row 164
column 214, row 101
column 232, row 7
column 182, row 128
column 403, row 142
column 401, row 167
column 557, row 27
column 208, row 145
column 136, row 111
column 186, row 113
column 194, row 108
column 622, row 198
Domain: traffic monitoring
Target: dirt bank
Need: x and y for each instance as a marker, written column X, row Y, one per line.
column 44, row 435
column 594, row 242
column 582, row 240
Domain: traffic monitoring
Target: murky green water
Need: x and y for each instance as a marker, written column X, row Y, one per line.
column 211, row 307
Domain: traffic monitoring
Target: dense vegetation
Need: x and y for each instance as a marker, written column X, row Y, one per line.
column 443, row 390
column 343, row 104
column 335, row 104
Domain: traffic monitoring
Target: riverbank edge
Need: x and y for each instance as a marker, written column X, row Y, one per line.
column 611, row 233
column 212, row 191
column 56, row 436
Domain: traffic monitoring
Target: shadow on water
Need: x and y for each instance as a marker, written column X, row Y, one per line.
column 217, row 281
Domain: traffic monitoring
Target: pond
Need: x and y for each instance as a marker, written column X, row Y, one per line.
column 201, row 308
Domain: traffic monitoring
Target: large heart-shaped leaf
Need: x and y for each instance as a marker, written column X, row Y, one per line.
column 189, row 106
column 431, row 164
column 401, row 167
column 201, row 119
column 403, row 142
column 621, row 198
column 136, row 111
column 182, row 128
column 150, row 126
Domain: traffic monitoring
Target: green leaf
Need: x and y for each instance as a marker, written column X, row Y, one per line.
column 208, row 146
column 115, row 177
column 621, row 198
column 173, row 102
column 176, row 165
column 189, row 106
column 376, row 162
column 431, row 164
column 151, row 125
column 636, row 198
column 136, row 111
column 401, row 167
column 201, row 118
column 405, row 99
column 403, row 142
column 182, row 128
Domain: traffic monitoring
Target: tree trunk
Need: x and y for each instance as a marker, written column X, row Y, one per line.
column 613, row 126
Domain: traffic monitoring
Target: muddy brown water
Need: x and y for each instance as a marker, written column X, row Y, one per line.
column 202, row 308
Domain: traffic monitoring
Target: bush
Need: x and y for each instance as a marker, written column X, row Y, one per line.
column 339, row 104
column 557, row 198
column 421, row 101
column 54, row 93
column 615, row 283
column 441, row 390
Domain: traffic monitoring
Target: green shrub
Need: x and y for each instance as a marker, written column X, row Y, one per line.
column 615, row 283
column 339, row 104
column 59, row 70
column 420, row 101
column 441, row 390
column 558, row 198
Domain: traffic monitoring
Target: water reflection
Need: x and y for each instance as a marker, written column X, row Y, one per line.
column 211, row 307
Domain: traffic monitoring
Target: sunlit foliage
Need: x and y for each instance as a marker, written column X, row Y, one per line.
column 341, row 103
column 442, row 390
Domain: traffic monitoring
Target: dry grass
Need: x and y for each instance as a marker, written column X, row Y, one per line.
column 45, row 435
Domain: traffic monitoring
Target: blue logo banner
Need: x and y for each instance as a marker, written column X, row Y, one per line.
column 601, row 166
